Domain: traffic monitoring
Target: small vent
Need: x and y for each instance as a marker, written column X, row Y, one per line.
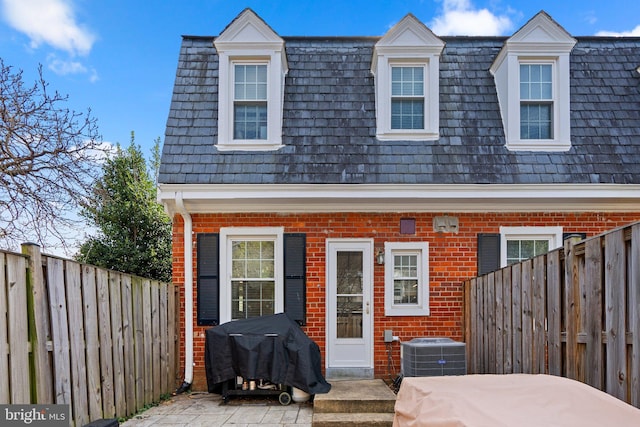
column 433, row 357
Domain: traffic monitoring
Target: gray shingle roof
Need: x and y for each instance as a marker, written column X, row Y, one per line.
column 329, row 121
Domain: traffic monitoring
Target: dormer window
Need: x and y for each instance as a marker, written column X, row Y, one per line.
column 252, row 66
column 532, row 80
column 406, row 64
column 536, row 101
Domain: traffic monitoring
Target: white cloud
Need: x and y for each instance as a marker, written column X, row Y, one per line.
column 49, row 22
column 461, row 18
column 62, row 67
column 633, row 33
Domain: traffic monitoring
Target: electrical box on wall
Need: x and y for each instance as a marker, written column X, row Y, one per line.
column 388, row 335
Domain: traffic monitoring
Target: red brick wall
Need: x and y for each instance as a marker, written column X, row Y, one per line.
column 452, row 259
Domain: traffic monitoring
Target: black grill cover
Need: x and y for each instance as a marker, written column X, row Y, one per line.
column 273, row 348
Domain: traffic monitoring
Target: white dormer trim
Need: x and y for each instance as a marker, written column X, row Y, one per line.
column 541, row 40
column 408, row 43
column 248, row 39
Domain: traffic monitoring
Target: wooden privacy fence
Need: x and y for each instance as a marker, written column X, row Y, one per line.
column 100, row 341
column 573, row 312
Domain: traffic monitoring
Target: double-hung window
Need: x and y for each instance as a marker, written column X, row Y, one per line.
column 252, row 278
column 250, row 102
column 407, row 97
column 406, row 279
column 536, row 101
column 251, row 272
column 521, row 243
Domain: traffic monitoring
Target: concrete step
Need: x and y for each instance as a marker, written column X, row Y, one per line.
column 356, row 396
column 376, row 419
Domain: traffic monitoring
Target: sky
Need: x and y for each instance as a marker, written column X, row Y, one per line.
column 119, row 57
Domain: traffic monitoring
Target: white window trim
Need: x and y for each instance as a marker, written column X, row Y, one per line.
column 249, row 39
column 431, row 102
column 553, row 100
column 227, row 236
column 552, row 234
column 561, row 138
column 226, row 100
column 422, row 308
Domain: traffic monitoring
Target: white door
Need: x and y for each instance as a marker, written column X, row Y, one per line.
column 350, row 307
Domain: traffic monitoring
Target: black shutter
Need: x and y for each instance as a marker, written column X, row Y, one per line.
column 488, row 253
column 208, row 279
column 294, row 276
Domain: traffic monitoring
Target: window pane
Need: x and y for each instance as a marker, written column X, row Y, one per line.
column 536, row 81
column 252, row 299
column 535, row 121
column 349, row 272
column 407, row 114
column 250, row 82
column 405, row 291
column 520, row 250
column 250, row 121
column 407, row 81
column 349, row 317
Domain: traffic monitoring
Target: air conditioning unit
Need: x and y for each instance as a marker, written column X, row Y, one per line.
column 431, row 357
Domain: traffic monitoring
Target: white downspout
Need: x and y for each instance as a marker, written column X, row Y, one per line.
column 188, row 294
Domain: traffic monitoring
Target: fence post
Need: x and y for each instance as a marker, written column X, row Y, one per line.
column 39, row 332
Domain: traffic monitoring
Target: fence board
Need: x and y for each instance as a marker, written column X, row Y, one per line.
column 634, row 316
column 468, row 312
column 516, row 316
column 554, row 310
column 499, row 313
column 18, row 333
column 538, row 314
column 117, row 342
column 40, row 331
column 572, row 310
column 527, row 318
column 89, row 299
column 148, row 355
column 138, row 325
column 507, row 318
column 614, row 314
column 173, row 337
column 155, row 332
column 164, row 342
column 127, row 336
column 593, row 306
column 77, row 344
column 5, row 391
column 106, row 355
column 491, row 324
column 59, row 330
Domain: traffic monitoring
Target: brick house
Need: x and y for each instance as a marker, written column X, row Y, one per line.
column 355, row 182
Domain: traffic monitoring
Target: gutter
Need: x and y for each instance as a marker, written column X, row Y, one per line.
column 188, row 294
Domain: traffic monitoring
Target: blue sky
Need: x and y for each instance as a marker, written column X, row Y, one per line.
column 119, row 57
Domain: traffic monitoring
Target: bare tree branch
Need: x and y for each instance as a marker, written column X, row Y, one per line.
column 49, row 158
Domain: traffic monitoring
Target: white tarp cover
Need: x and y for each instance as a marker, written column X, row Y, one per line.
column 516, row 400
